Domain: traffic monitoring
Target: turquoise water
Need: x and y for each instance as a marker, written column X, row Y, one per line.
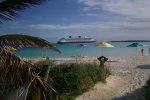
column 120, row 49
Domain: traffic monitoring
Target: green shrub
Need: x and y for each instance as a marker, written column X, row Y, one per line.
column 40, row 64
column 73, row 79
column 147, row 90
column 67, row 97
column 6, row 88
column 41, row 67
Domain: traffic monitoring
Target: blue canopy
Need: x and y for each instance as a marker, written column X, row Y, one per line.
column 136, row 45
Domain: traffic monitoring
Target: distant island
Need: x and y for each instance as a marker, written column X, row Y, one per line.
column 132, row 41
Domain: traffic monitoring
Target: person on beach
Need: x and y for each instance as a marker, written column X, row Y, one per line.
column 142, row 51
column 149, row 50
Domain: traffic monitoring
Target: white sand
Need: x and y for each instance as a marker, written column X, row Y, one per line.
column 128, row 77
column 103, row 91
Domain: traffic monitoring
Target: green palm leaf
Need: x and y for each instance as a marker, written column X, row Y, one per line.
column 21, row 41
column 14, row 69
column 21, row 73
column 10, row 8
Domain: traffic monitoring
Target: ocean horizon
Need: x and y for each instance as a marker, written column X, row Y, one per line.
column 120, row 49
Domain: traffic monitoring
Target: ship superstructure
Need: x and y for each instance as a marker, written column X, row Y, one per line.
column 78, row 39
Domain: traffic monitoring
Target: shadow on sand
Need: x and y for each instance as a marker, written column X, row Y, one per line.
column 135, row 95
column 143, row 66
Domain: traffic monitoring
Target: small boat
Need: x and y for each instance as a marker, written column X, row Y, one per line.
column 83, row 45
column 78, row 39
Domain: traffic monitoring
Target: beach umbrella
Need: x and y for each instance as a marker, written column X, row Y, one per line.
column 136, row 45
column 82, row 47
column 104, row 44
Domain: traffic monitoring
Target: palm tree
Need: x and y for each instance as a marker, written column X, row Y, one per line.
column 22, row 73
column 10, row 8
column 15, row 70
column 20, row 41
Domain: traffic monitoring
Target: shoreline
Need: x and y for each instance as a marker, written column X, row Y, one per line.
column 87, row 59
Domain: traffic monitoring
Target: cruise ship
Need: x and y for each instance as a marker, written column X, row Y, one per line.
column 78, row 39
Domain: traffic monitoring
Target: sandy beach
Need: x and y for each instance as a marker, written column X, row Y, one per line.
column 128, row 77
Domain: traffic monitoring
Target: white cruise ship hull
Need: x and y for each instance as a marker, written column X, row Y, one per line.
column 87, row 40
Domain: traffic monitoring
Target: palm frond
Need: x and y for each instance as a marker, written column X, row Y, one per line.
column 19, row 94
column 20, row 41
column 14, row 68
column 44, row 88
column 10, row 8
column 21, row 73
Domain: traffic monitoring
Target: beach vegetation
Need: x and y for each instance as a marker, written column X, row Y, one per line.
column 147, row 90
column 71, row 80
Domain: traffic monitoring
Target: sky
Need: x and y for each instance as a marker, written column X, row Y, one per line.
column 103, row 20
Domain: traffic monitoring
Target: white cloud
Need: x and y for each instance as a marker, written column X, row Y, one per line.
column 89, row 14
column 63, row 27
column 133, row 17
column 133, row 8
column 86, row 9
column 90, row 2
column 123, row 25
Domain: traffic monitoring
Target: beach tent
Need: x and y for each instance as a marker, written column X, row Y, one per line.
column 136, row 45
column 104, row 44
